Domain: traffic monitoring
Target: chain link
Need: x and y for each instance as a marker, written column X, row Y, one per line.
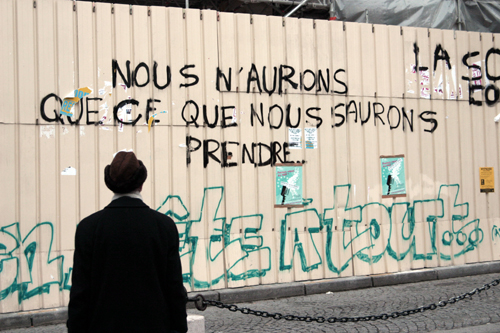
column 201, row 304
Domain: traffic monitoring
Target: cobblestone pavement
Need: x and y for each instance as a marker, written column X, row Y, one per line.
column 466, row 315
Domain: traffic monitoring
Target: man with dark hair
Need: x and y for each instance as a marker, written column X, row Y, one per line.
column 127, row 274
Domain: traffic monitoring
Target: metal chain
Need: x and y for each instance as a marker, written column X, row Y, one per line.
column 201, row 304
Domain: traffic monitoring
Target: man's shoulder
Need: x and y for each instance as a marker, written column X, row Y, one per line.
column 162, row 217
column 90, row 220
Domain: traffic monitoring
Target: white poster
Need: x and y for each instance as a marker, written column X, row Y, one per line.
column 311, row 137
column 295, row 138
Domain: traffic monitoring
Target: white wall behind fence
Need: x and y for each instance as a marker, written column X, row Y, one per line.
column 225, row 91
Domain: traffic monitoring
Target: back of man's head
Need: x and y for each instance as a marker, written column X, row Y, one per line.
column 125, row 173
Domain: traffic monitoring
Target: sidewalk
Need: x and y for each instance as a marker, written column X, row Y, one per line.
column 311, row 297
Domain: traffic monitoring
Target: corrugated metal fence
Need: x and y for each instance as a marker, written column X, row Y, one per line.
column 213, row 104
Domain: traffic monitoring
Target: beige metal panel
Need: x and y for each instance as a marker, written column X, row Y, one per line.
column 494, row 210
column 397, row 61
column 160, row 136
column 485, row 138
column 368, row 62
column 273, row 216
column 9, row 206
column 411, row 57
column 238, row 52
column 230, row 78
column 339, row 128
column 49, row 186
column 298, row 44
column 353, row 67
column 414, row 181
column 356, row 150
column 104, row 139
column 425, row 64
column 451, row 78
column 235, row 52
column 142, row 140
column 307, row 55
column 380, row 142
column 87, row 135
column 8, row 59
column 311, row 169
column 442, row 171
column 213, row 220
column 326, row 155
column 47, row 233
column 339, row 56
column 383, row 56
column 177, row 50
column 324, row 57
column 463, row 48
column 313, row 189
column 437, row 68
column 27, row 196
column 429, row 185
column 123, row 52
column 229, row 116
column 454, row 194
column 293, row 43
column 477, row 140
column 67, row 136
column 26, row 52
column 372, row 189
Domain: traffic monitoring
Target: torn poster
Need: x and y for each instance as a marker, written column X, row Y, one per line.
column 295, row 138
column 73, row 98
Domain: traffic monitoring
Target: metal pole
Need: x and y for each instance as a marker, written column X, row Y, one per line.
column 332, row 10
column 287, row 3
column 187, row 4
column 459, row 20
column 295, row 9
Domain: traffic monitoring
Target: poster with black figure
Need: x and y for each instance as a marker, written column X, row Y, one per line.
column 288, row 185
column 392, row 170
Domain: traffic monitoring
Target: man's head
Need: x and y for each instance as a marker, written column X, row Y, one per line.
column 125, row 173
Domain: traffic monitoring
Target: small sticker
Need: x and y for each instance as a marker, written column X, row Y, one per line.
column 235, row 118
column 73, row 98
column 69, row 171
column 48, row 131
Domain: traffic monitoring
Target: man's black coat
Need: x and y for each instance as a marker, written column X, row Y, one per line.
column 127, row 274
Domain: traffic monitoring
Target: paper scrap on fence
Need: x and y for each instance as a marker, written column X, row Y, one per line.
column 73, row 98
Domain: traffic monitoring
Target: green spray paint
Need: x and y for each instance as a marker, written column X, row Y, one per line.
column 19, row 254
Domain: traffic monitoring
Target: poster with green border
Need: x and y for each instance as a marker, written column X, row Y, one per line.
column 288, row 185
column 393, row 176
